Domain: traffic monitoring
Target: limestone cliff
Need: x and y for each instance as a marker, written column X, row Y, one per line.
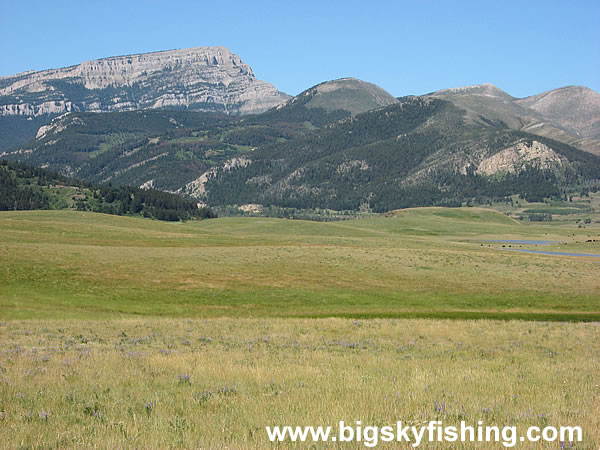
column 201, row 79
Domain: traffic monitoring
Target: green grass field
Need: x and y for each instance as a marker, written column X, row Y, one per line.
column 416, row 263
column 283, row 322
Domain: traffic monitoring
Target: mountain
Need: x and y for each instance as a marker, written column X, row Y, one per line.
column 576, row 109
column 343, row 145
column 347, row 94
column 570, row 114
column 330, row 101
column 200, row 79
column 171, row 149
column 421, row 151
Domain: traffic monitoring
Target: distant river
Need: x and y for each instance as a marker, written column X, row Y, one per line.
column 519, row 241
column 541, row 252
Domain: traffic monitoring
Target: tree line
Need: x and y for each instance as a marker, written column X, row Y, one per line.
column 23, row 187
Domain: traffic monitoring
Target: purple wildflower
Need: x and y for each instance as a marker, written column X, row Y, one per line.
column 201, row 397
column 227, row 390
column 184, row 378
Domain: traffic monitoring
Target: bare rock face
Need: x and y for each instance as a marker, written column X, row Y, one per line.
column 197, row 189
column 517, row 156
column 201, row 79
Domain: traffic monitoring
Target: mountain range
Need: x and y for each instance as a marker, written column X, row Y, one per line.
column 197, row 122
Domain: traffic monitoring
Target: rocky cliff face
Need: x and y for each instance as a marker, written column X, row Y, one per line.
column 522, row 154
column 201, row 79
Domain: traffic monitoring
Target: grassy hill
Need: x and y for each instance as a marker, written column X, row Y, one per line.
column 431, row 262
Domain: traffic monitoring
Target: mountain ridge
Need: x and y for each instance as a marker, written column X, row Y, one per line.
column 421, row 151
column 487, row 89
column 176, row 120
column 198, row 78
column 570, row 114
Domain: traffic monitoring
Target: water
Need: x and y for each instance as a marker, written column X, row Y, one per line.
column 520, row 241
column 541, row 252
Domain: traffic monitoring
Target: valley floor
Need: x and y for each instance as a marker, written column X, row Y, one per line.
column 120, row 332
column 427, row 262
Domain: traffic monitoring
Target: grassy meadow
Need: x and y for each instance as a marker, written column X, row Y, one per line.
column 120, row 332
column 429, row 262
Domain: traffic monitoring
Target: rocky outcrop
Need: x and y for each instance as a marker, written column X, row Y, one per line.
column 201, row 78
column 197, row 189
column 512, row 159
column 55, row 126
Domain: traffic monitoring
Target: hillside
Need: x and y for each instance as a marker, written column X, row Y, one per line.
column 161, row 149
column 28, row 188
column 171, row 149
column 199, row 79
column 570, row 114
column 422, row 151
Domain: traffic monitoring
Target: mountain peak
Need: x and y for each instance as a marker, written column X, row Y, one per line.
column 569, row 96
column 574, row 107
column 570, row 114
column 198, row 78
column 349, row 94
column 486, row 89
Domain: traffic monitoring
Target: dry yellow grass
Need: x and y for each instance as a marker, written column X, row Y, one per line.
column 123, row 383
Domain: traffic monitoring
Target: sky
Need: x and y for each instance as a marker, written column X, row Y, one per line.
column 406, row 47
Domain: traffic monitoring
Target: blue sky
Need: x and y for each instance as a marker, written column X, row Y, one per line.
column 405, row 47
